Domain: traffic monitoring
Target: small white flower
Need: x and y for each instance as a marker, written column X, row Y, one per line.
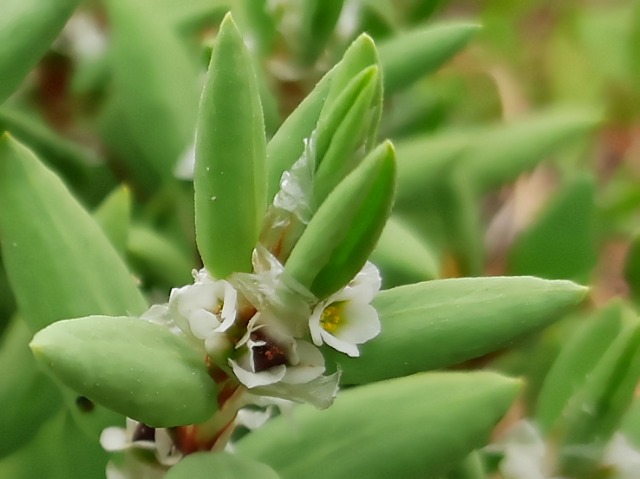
column 622, row 457
column 139, row 436
column 205, row 307
column 271, row 356
column 346, row 319
column 275, row 364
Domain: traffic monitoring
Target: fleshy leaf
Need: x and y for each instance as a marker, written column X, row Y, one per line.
column 60, row 450
column 440, row 323
column 423, row 425
column 594, row 413
column 113, row 215
column 577, row 358
column 408, row 56
column 287, row 145
column 60, row 264
column 157, row 257
column 27, row 29
column 27, row 397
column 230, row 178
column 150, row 66
column 317, row 22
column 341, row 131
column 562, row 242
column 345, row 229
column 501, row 153
column 402, row 256
column 226, row 466
column 131, row 366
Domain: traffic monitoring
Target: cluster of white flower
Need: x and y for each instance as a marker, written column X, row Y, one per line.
column 265, row 330
column 526, row 455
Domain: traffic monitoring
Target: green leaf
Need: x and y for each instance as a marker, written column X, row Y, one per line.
column 402, row 256
column 114, row 215
column 500, row 154
column 132, row 366
column 632, row 267
column 413, row 54
column 578, row 357
column 226, row 466
column 423, row 162
column 287, row 145
column 318, row 20
column 157, row 257
column 59, row 451
column 341, row 131
column 27, row 29
column 346, row 227
column 27, row 397
column 260, row 23
column 594, row 413
column 412, row 427
column 150, row 65
column 75, row 164
column 561, row 243
column 230, row 182
column 59, row 262
column 440, row 323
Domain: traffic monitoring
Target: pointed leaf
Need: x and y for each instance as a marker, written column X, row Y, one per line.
column 60, row 450
column 413, row 54
column 226, row 466
column 230, row 178
column 502, row 153
column 59, row 262
column 113, row 215
column 340, row 132
column 27, row 29
column 287, row 145
column 402, row 256
column 157, row 257
column 578, row 357
column 344, row 231
column 561, row 243
column 440, row 323
column 132, row 366
column 318, row 20
column 412, row 427
column 150, row 66
column 27, row 396
column 594, row 413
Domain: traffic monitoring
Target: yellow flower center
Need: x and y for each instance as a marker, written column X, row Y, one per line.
column 217, row 309
column 331, row 318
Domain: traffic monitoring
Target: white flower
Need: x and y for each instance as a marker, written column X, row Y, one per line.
column 205, row 307
column 271, row 356
column 346, row 319
column 272, row 363
column 140, row 436
column 524, row 453
column 622, row 457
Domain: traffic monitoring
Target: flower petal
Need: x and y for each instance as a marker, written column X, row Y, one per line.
column 263, row 378
column 361, row 323
column 309, row 367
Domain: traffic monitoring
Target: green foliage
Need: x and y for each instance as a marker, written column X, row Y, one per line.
column 230, row 175
column 158, row 379
column 399, row 444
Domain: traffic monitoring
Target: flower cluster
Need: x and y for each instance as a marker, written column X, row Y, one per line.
column 265, row 330
column 526, row 455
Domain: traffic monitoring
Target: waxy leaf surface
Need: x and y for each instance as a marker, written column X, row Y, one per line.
column 413, row 427
column 132, row 366
column 230, row 177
